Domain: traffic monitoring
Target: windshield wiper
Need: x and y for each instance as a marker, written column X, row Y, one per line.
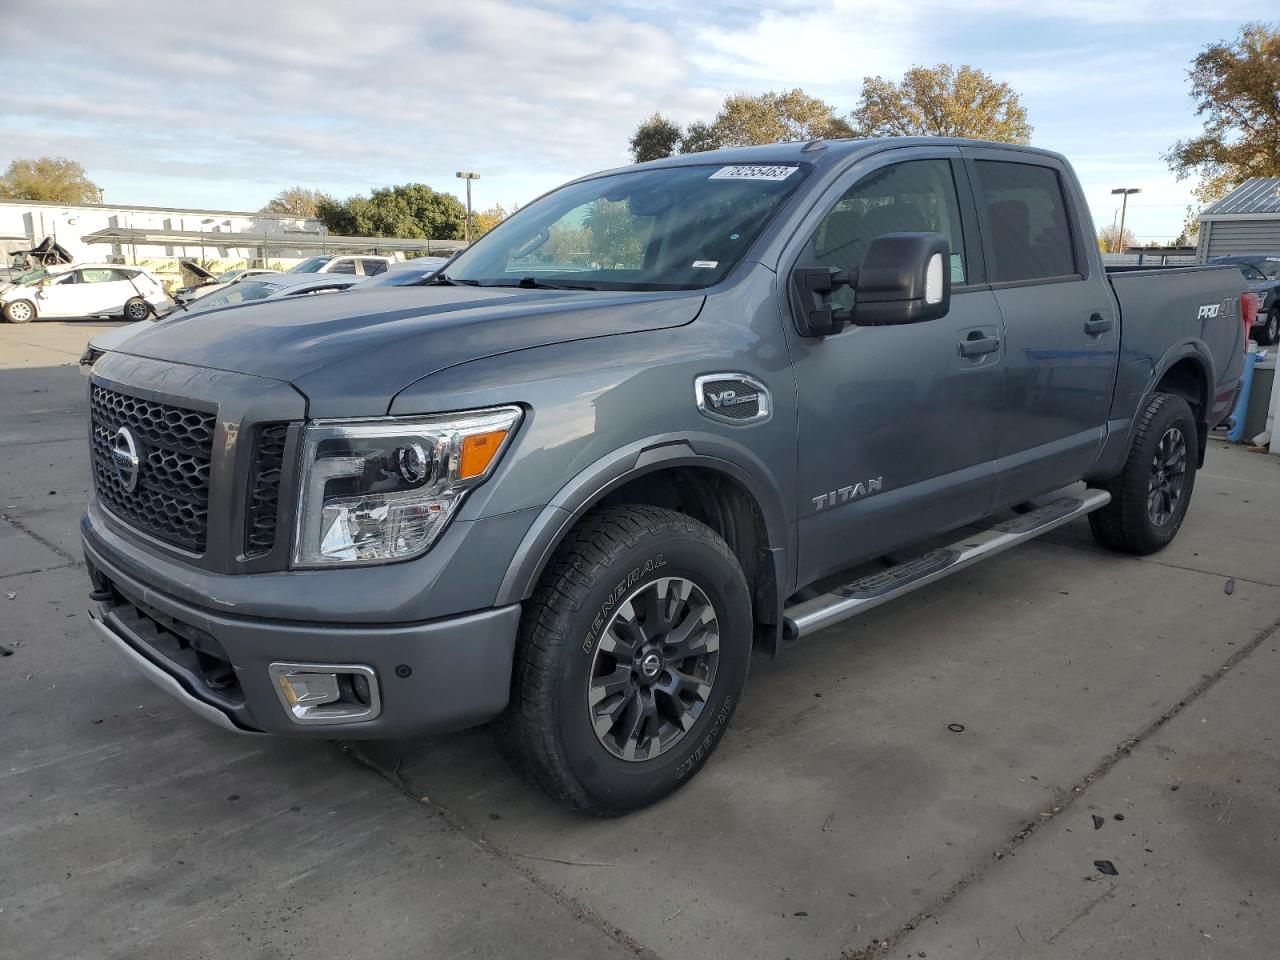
column 534, row 283
column 445, row 280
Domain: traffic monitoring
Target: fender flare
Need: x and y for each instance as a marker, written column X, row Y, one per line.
column 584, row 490
column 1111, row 458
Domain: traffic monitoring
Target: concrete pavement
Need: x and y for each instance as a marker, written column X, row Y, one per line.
column 841, row 816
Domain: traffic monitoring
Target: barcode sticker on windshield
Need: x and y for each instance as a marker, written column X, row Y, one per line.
column 705, row 264
column 752, row 172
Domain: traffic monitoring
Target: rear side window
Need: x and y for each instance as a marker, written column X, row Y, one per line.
column 96, row 275
column 373, row 267
column 342, row 266
column 1027, row 219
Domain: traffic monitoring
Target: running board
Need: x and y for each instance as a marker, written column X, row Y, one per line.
column 812, row 615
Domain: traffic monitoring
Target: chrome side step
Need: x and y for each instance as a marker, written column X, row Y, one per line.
column 865, row 594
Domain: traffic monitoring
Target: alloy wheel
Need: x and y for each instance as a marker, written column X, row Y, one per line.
column 654, row 669
column 1168, row 476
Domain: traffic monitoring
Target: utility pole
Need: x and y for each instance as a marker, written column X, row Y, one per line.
column 464, row 175
column 1124, row 205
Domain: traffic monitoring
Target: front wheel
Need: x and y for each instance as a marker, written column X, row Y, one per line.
column 137, row 309
column 20, row 311
column 632, row 656
column 1149, row 497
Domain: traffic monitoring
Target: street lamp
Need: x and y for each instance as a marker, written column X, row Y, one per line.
column 463, row 175
column 1124, row 204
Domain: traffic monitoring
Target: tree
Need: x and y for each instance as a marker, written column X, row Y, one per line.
column 412, row 211
column 295, row 202
column 49, row 178
column 768, row 118
column 941, row 101
column 482, row 221
column 654, row 139
column 1111, row 241
column 1236, row 88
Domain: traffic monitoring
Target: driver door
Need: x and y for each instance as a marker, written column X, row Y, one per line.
column 897, row 426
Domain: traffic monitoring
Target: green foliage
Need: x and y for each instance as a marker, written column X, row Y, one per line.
column 770, row 118
column 411, row 211
column 941, row 101
column 297, row 202
column 48, row 178
column 1236, row 87
column 654, row 139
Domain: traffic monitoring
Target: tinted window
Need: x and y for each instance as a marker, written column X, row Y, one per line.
column 1251, row 273
column 344, row 265
column 310, row 265
column 1030, row 232
column 1270, row 268
column 373, row 267
column 912, row 197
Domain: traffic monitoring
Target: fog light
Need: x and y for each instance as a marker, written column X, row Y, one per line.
column 326, row 693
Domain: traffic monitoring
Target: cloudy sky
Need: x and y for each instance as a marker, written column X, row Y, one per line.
column 221, row 106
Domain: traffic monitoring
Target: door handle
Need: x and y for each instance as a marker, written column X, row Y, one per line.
column 975, row 345
column 1097, row 324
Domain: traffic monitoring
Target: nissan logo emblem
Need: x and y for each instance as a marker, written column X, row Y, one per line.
column 124, row 457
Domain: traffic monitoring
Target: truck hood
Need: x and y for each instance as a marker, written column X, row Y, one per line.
column 350, row 353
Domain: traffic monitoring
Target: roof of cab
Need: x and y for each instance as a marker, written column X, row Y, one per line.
column 820, row 153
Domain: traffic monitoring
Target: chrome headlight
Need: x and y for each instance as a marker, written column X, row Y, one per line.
column 380, row 490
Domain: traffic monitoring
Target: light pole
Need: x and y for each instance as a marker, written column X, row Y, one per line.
column 1124, row 205
column 464, row 175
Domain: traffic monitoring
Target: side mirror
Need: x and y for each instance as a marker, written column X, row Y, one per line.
column 904, row 278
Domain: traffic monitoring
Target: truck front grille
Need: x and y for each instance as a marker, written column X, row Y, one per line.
column 264, row 489
column 170, row 499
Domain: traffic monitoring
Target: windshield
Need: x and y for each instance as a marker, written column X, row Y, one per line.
column 673, row 228
column 237, row 293
column 230, row 275
column 310, row 265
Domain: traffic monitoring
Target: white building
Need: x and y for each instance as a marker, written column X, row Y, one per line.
column 24, row 223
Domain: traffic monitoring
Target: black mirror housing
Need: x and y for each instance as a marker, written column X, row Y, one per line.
column 904, row 278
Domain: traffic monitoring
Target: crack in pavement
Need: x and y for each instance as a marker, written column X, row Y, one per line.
column 1063, row 800
column 43, row 541
column 582, row 912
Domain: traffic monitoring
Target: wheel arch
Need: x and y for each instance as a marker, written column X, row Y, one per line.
column 1187, row 375
column 739, row 504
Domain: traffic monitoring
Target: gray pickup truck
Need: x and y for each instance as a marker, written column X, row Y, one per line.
column 652, row 423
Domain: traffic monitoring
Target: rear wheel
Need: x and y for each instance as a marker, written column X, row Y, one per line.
column 1149, row 497
column 20, row 311
column 137, row 309
column 1271, row 329
column 632, row 656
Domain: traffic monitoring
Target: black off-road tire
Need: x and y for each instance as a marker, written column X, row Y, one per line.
column 20, row 311
column 605, row 562
column 1127, row 523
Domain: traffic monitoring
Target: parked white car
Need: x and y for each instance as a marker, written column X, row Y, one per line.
column 361, row 266
column 87, row 290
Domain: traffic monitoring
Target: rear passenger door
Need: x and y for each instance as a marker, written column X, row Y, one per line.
column 1061, row 332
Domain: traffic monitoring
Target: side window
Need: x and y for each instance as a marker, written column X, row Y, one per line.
column 373, row 267
column 71, row 277
column 1251, row 273
column 345, row 265
column 910, row 197
column 1270, row 268
column 1030, row 232
column 124, row 274
column 97, row 276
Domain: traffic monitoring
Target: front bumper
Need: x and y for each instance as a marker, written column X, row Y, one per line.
column 433, row 676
